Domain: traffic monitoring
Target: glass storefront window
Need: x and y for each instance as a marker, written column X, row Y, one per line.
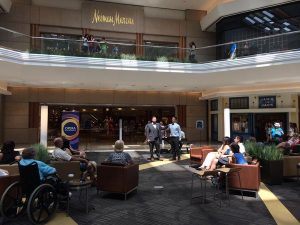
column 239, row 123
column 55, row 43
column 100, row 124
column 169, row 50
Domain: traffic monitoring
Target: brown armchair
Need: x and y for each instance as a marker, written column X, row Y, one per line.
column 13, row 171
column 198, row 154
column 249, row 175
column 117, row 178
column 64, row 168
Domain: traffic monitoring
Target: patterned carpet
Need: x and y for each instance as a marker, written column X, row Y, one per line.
column 171, row 204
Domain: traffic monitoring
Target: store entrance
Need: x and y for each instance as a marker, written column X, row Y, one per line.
column 263, row 119
column 99, row 125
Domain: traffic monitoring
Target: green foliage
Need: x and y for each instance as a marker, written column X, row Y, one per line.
column 162, row 59
column 41, row 153
column 128, row 56
column 263, row 152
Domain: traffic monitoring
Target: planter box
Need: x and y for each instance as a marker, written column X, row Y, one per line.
column 272, row 171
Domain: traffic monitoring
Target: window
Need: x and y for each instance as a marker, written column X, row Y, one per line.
column 239, row 103
column 154, row 49
column 239, row 123
column 214, row 105
column 60, row 44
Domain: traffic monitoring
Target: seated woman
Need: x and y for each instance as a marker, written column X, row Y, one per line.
column 119, row 156
column 8, row 154
column 28, row 155
column 223, row 160
column 223, row 150
column 289, row 145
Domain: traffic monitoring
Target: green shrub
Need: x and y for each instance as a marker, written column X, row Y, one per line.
column 263, row 152
column 41, row 153
column 128, row 56
column 162, row 59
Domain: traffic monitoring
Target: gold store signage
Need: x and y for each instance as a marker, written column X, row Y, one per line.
column 99, row 17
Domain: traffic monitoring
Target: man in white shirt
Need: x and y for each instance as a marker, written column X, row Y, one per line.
column 60, row 154
column 237, row 140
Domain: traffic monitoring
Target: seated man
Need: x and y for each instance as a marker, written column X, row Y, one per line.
column 119, row 156
column 28, row 155
column 59, row 154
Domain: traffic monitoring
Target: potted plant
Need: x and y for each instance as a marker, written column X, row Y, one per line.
column 271, row 159
column 41, row 153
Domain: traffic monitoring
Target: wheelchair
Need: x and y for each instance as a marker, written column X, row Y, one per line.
column 39, row 199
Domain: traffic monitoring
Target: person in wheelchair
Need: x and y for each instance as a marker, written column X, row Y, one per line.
column 37, row 192
column 45, row 170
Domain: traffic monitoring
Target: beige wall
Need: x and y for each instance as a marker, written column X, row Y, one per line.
column 70, row 21
column 16, row 107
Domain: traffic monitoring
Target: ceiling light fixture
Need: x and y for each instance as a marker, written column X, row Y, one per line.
column 268, row 14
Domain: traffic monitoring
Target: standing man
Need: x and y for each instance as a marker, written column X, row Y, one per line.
column 175, row 136
column 153, row 134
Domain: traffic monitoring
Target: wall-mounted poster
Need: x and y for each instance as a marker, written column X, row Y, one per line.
column 267, row 102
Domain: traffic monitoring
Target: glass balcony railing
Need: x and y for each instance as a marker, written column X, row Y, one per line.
column 68, row 45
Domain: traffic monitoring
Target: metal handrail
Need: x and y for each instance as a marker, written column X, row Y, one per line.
column 153, row 46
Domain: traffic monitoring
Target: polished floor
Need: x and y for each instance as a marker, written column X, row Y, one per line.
column 171, row 204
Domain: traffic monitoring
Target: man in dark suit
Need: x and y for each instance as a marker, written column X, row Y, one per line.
column 153, row 134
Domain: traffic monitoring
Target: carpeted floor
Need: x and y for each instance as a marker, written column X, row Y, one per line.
column 171, row 204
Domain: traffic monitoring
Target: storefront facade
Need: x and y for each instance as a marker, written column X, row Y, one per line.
column 252, row 115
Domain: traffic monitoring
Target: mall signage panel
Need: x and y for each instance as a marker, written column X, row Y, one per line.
column 109, row 16
column 70, row 128
column 267, row 102
column 199, row 124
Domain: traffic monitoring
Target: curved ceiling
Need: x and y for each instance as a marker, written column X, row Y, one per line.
column 235, row 7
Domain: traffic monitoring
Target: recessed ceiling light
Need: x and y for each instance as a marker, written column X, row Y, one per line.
column 95, row 110
column 268, row 14
column 119, row 109
column 107, row 109
column 83, row 110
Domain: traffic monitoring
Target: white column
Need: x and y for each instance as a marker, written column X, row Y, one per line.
column 120, row 129
column 44, row 125
column 227, row 122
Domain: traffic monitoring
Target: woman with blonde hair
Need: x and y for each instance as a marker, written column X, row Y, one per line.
column 119, row 156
